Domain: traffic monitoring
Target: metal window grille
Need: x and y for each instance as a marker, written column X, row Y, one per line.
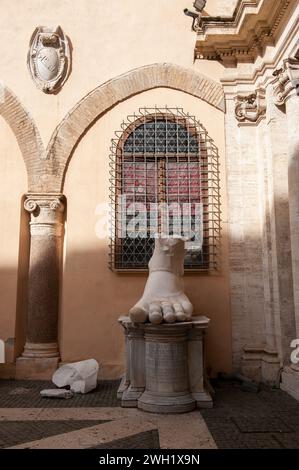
column 163, row 156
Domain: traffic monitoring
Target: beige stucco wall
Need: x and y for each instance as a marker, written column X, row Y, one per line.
column 13, row 185
column 108, row 39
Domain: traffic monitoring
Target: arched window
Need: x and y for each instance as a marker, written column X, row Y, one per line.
column 164, row 176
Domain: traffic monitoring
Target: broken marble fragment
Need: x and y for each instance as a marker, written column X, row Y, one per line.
column 80, row 376
column 57, row 393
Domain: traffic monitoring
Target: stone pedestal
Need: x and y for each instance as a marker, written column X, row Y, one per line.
column 165, row 366
column 290, row 381
column 29, row 368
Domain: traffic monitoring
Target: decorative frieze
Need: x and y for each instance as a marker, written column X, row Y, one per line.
column 250, row 108
column 243, row 36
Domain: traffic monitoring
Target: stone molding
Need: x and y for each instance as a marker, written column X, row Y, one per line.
column 250, row 109
column 286, row 79
column 242, row 37
column 40, row 350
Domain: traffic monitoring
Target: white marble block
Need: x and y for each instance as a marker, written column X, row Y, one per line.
column 80, row 376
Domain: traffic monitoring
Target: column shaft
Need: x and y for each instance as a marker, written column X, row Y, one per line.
column 46, row 230
column 292, row 112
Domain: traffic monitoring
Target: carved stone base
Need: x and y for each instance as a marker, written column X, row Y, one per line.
column 130, row 397
column 260, row 364
column 179, row 402
column 290, row 382
column 36, row 369
column 165, row 370
column 203, row 399
column 122, row 387
column 39, row 350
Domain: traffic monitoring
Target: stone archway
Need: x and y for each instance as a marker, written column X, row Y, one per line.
column 46, row 203
column 26, row 133
column 109, row 94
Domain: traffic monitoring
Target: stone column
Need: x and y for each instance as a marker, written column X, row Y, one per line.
column 279, row 299
column 286, row 88
column 292, row 112
column 41, row 353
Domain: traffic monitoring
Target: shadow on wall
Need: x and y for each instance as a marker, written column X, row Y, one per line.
column 93, row 298
column 22, row 285
column 13, row 295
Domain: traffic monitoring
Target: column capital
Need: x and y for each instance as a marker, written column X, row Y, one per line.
column 35, row 202
column 250, row 108
column 286, row 78
column 46, row 213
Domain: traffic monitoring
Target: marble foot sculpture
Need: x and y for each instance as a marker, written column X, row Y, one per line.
column 164, row 298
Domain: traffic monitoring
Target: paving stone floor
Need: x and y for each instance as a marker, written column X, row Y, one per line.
column 142, row 440
column 239, row 419
column 19, row 432
column 26, row 394
column 242, row 419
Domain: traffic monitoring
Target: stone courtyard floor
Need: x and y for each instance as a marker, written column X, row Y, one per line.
column 240, row 419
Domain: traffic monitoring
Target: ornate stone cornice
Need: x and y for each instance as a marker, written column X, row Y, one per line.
column 250, row 108
column 242, row 37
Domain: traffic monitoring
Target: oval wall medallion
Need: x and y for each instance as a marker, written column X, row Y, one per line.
column 49, row 58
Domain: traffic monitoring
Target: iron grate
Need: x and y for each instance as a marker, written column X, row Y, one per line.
column 163, row 162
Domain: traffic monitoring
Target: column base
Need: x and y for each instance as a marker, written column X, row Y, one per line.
column 40, row 350
column 290, row 382
column 260, row 364
column 36, row 368
column 203, row 399
column 124, row 384
column 156, row 403
column 130, row 397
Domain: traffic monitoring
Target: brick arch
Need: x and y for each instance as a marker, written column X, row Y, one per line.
column 26, row 133
column 109, row 94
